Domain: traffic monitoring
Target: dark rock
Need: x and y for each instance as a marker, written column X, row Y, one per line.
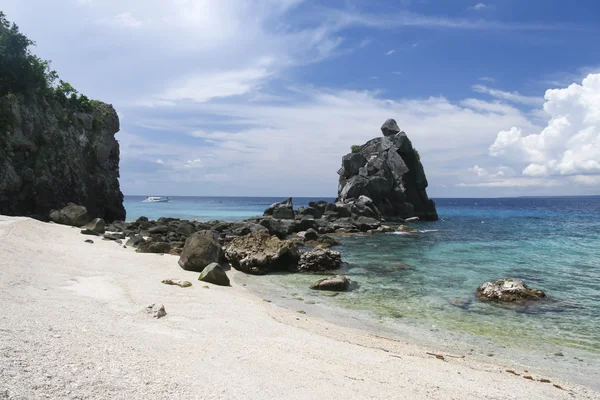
column 118, row 241
column 245, row 228
column 186, row 229
column 305, row 224
column 51, row 156
column 276, row 227
column 508, row 290
column 259, row 253
column 89, row 241
column 320, row 206
column 158, row 229
column 155, row 247
column 365, row 223
column 200, row 250
column 213, row 273
column 328, row 240
column 311, row 234
column 390, row 127
column 135, row 241
column 114, row 236
column 96, row 225
column 117, row 226
column 310, row 211
column 319, row 259
column 283, row 210
column 388, row 171
column 336, row 283
column 89, row 232
column 72, row 214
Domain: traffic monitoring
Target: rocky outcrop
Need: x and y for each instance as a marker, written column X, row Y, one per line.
column 259, row 253
column 337, row 283
column 388, row 171
column 52, row 155
column 200, row 250
column 508, row 291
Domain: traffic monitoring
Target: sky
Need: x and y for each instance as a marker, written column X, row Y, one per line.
column 264, row 97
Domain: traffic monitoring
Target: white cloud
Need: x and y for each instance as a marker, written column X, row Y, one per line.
column 514, row 97
column 389, row 53
column 570, row 143
column 479, row 6
column 127, row 20
column 160, row 161
column 397, row 72
column 487, row 79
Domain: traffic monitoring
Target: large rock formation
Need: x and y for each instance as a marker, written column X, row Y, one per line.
column 52, row 155
column 388, row 171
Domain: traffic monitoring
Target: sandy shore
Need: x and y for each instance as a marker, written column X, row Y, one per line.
column 73, row 327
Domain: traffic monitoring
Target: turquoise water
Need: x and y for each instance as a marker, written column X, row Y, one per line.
column 428, row 279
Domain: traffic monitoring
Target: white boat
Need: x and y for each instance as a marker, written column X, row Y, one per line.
column 156, row 199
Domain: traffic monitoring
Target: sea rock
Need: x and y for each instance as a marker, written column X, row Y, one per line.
column 245, row 228
column 365, row 224
column 320, row 206
column 508, row 290
column 200, row 250
column 114, row 236
column 311, row 234
column 52, row 154
column 158, row 229
column 96, row 225
column 155, row 247
column 336, row 283
column 259, row 253
column 279, row 228
column 89, row 232
column 307, row 222
column 72, row 214
column 213, row 273
column 283, row 210
column 135, row 241
column 388, row 171
column 319, row 259
column 310, row 211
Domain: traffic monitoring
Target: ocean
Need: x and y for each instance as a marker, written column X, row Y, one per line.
column 422, row 285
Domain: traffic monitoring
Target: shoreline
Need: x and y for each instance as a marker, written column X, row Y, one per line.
column 74, row 327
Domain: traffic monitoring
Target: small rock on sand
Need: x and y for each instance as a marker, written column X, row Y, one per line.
column 177, row 282
column 156, row 310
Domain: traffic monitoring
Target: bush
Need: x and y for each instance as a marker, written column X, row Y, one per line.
column 417, row 154
column 355, row 148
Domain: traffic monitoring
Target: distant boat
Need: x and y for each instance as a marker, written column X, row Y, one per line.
column 156, row 199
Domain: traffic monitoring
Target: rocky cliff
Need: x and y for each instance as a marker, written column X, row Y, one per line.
column 387, row 170
column 52, row 154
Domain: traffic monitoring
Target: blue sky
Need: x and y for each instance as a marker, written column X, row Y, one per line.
column 264, row 97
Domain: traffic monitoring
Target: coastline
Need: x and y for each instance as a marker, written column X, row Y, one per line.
column 74, row 328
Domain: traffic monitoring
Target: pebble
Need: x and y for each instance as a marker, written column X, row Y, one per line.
column 559, row 354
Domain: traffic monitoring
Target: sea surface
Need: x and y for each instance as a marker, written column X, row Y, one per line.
column 421, row 285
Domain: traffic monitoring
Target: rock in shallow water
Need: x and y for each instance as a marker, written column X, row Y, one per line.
column 319, row 259
column 336, row 283
column 508, row 290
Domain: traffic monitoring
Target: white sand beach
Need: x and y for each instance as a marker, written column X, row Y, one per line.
column 73, row 326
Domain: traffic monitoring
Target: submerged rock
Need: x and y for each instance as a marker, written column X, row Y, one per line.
column 508, row 290
column 200, row 250
column 337, row 283
column 260, row 253
column 319, row 259
column 213, row 273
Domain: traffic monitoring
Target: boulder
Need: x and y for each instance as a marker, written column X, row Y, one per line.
column 306, row 223
column 244, row 228
column 155, row 247
column 114, row 236
column 390, row 127
column 200, row 250
column 319, row 259
column 337, row 283
column 135, row 241
column 311, row 234
column 213, row 273
column 365, row 223
column 72, row 214
column 277, row 227
column 96, row 225
column 387, row 171
column 283, row 210
column 259, row 253
column 508, row 290
column 160, row 229
column 310, row 211
column 319, row 205
column 89, row 232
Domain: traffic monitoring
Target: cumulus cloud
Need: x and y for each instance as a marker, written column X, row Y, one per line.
column 570, row 143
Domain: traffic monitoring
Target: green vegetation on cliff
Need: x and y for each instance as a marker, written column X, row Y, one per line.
column 26, row 77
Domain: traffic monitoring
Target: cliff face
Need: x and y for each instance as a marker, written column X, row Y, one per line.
column 52, row 155
column 389, row 171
